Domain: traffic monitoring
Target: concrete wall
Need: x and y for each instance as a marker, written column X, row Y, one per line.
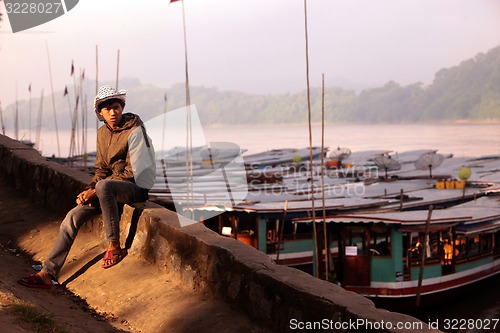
column 282, row 298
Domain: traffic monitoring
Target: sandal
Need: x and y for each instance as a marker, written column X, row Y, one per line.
column 34, row 281
column 113, row 257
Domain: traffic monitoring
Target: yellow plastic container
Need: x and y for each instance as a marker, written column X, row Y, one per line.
column 440, row 184
column 450, row 184
column 459, row 184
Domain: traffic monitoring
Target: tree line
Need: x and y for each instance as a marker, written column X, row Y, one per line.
column 468, row 91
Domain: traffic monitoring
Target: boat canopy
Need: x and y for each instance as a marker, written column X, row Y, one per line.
column 415, row 218
column 306, row 205
column 471, row 217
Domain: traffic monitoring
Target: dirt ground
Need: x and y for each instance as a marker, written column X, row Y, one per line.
column 133, row 296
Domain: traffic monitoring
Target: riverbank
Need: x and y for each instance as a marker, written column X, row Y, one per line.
column 24, row 228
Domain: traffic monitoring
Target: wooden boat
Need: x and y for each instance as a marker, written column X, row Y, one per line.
column 278, row 157
column 376, row 239
column 393, row 257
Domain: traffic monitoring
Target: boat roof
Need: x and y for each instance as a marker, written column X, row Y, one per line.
column 307, row 205
column 476, row 216
column 355, row 192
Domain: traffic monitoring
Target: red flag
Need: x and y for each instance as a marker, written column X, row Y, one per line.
column 174, row 1
column 72, row 68
column 65, row 91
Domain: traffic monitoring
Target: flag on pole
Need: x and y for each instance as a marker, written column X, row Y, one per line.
column 174, row 1
column 65, row 91
column 72, row 68
column 29, row 88
column 83, row 75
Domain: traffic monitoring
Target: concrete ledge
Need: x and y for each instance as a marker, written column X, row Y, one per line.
column 222, row 267
column 47, row 184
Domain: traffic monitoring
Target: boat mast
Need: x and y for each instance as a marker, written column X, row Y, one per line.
column 39, row 123
column 189, row 136
column 29, row 115
column 73, row 150
column 165, row 99
column 53, row 101
column 117, row 67
column 16, row 119
column 96, row 81
column 1, row 119
column 310, row 142
column 83, row 108
column 424, row 254
column 325, row 234
column 72, row 138
column 281, row 227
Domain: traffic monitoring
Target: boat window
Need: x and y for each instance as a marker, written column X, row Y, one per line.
column 474, row 246
column 380, row 242
column 415, row 249
column 461, row 247
column 496, row 243
column 486, row 243
column 291, row 231
column 432, row 247
column 245, row 224
column 357, row 237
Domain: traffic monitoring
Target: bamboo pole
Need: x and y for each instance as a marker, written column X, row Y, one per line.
column 280, row 238
column 96, row 81
column 424, row 253
column 39, row 123
column 77, row 127
column 325, row 234
column 16, row 118
column 164, row 123
column 72, row 138
column 29, row 115
column 74, row 124
column 189, row 136
column 310, row 141
column 83, row 108
column 85, row 131
column 117, row 67
column 53, row 101
column 1, row 119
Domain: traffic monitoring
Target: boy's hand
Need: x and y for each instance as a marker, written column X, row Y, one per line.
column 86, row 197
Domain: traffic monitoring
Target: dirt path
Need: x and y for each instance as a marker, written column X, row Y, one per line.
column 134, row 296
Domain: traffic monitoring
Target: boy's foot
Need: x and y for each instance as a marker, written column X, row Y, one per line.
column 113, row 257
column 39, row 280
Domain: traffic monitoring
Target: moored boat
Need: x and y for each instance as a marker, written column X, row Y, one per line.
column 397, row 257
column 375, row 229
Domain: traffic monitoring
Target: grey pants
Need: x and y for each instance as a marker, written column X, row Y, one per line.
column 110, row 193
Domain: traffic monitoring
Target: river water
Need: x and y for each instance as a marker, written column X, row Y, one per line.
column 463, row 139
column 459, row 139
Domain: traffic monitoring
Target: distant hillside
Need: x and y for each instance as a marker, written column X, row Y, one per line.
column 469, row 91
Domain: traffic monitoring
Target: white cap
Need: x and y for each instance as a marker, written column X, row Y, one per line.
column 106, row 93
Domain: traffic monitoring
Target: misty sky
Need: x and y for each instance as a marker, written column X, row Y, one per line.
column 255, row 46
